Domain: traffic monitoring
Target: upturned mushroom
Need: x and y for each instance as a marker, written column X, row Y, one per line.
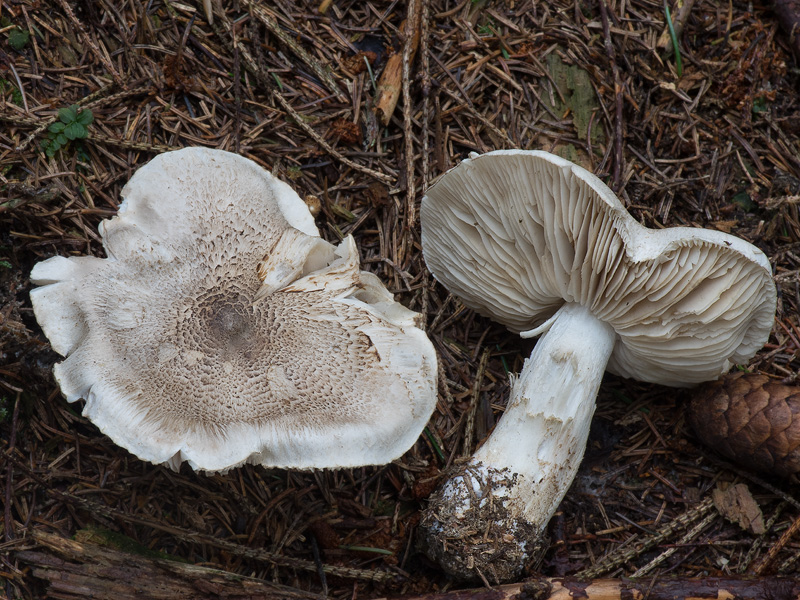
column 543, row 247
column 221, row 329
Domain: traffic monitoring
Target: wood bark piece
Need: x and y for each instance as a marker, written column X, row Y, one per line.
column 751, row 420
column 567, row 588
column 736, row 503
column 390, row 83
column 73, row 570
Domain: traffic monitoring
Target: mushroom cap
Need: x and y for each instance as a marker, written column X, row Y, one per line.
column 516, row 234
column 221, row 329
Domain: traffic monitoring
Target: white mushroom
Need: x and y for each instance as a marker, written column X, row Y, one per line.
column 222, row 329
column 545, row 248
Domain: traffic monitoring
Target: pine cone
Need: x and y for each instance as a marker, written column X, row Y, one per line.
column 752, row 420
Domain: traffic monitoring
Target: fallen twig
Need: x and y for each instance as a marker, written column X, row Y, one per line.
column 320, row 71
column 764, row 564
column 325, row 145
column 252, row 67
column 100, row 55
column 426, row 89
column 685, row 539
column 412, row 33
column 616, row 181
column 625, row 554
column 391, row 80
column 8, row 522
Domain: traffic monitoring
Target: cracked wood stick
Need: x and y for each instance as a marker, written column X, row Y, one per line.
column 391, row 80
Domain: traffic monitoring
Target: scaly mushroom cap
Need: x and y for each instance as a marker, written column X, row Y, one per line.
column 222, row 329
column 516, row 234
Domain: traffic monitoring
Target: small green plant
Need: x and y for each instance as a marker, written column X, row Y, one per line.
column 72, row 124
column 674, row 37
column 487, row 29
column 18, row 38
column 16, row 95
column 293, row 172
column 760, row 105
column 744, row 201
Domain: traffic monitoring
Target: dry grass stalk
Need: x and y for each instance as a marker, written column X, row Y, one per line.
column 680, row 14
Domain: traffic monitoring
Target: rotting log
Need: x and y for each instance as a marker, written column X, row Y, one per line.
column 566, row 588
column 73, row 570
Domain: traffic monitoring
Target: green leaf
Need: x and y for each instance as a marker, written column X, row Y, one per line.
column 575, row 94
column 16, row 96
column 68, row 115
column 18, row 38
column 341, row 211
column 74, row 130
column 85, row 117
column 56, row 127
column 744, row 201
column 5, row 264
column 434, row 443
column 760, row 105
column 61, row 140
column 674, row 37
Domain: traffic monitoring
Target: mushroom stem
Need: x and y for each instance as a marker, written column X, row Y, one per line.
column 487, row 518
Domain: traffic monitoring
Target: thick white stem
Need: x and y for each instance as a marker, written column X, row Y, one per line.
column 543, row 432
column 516, row 480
